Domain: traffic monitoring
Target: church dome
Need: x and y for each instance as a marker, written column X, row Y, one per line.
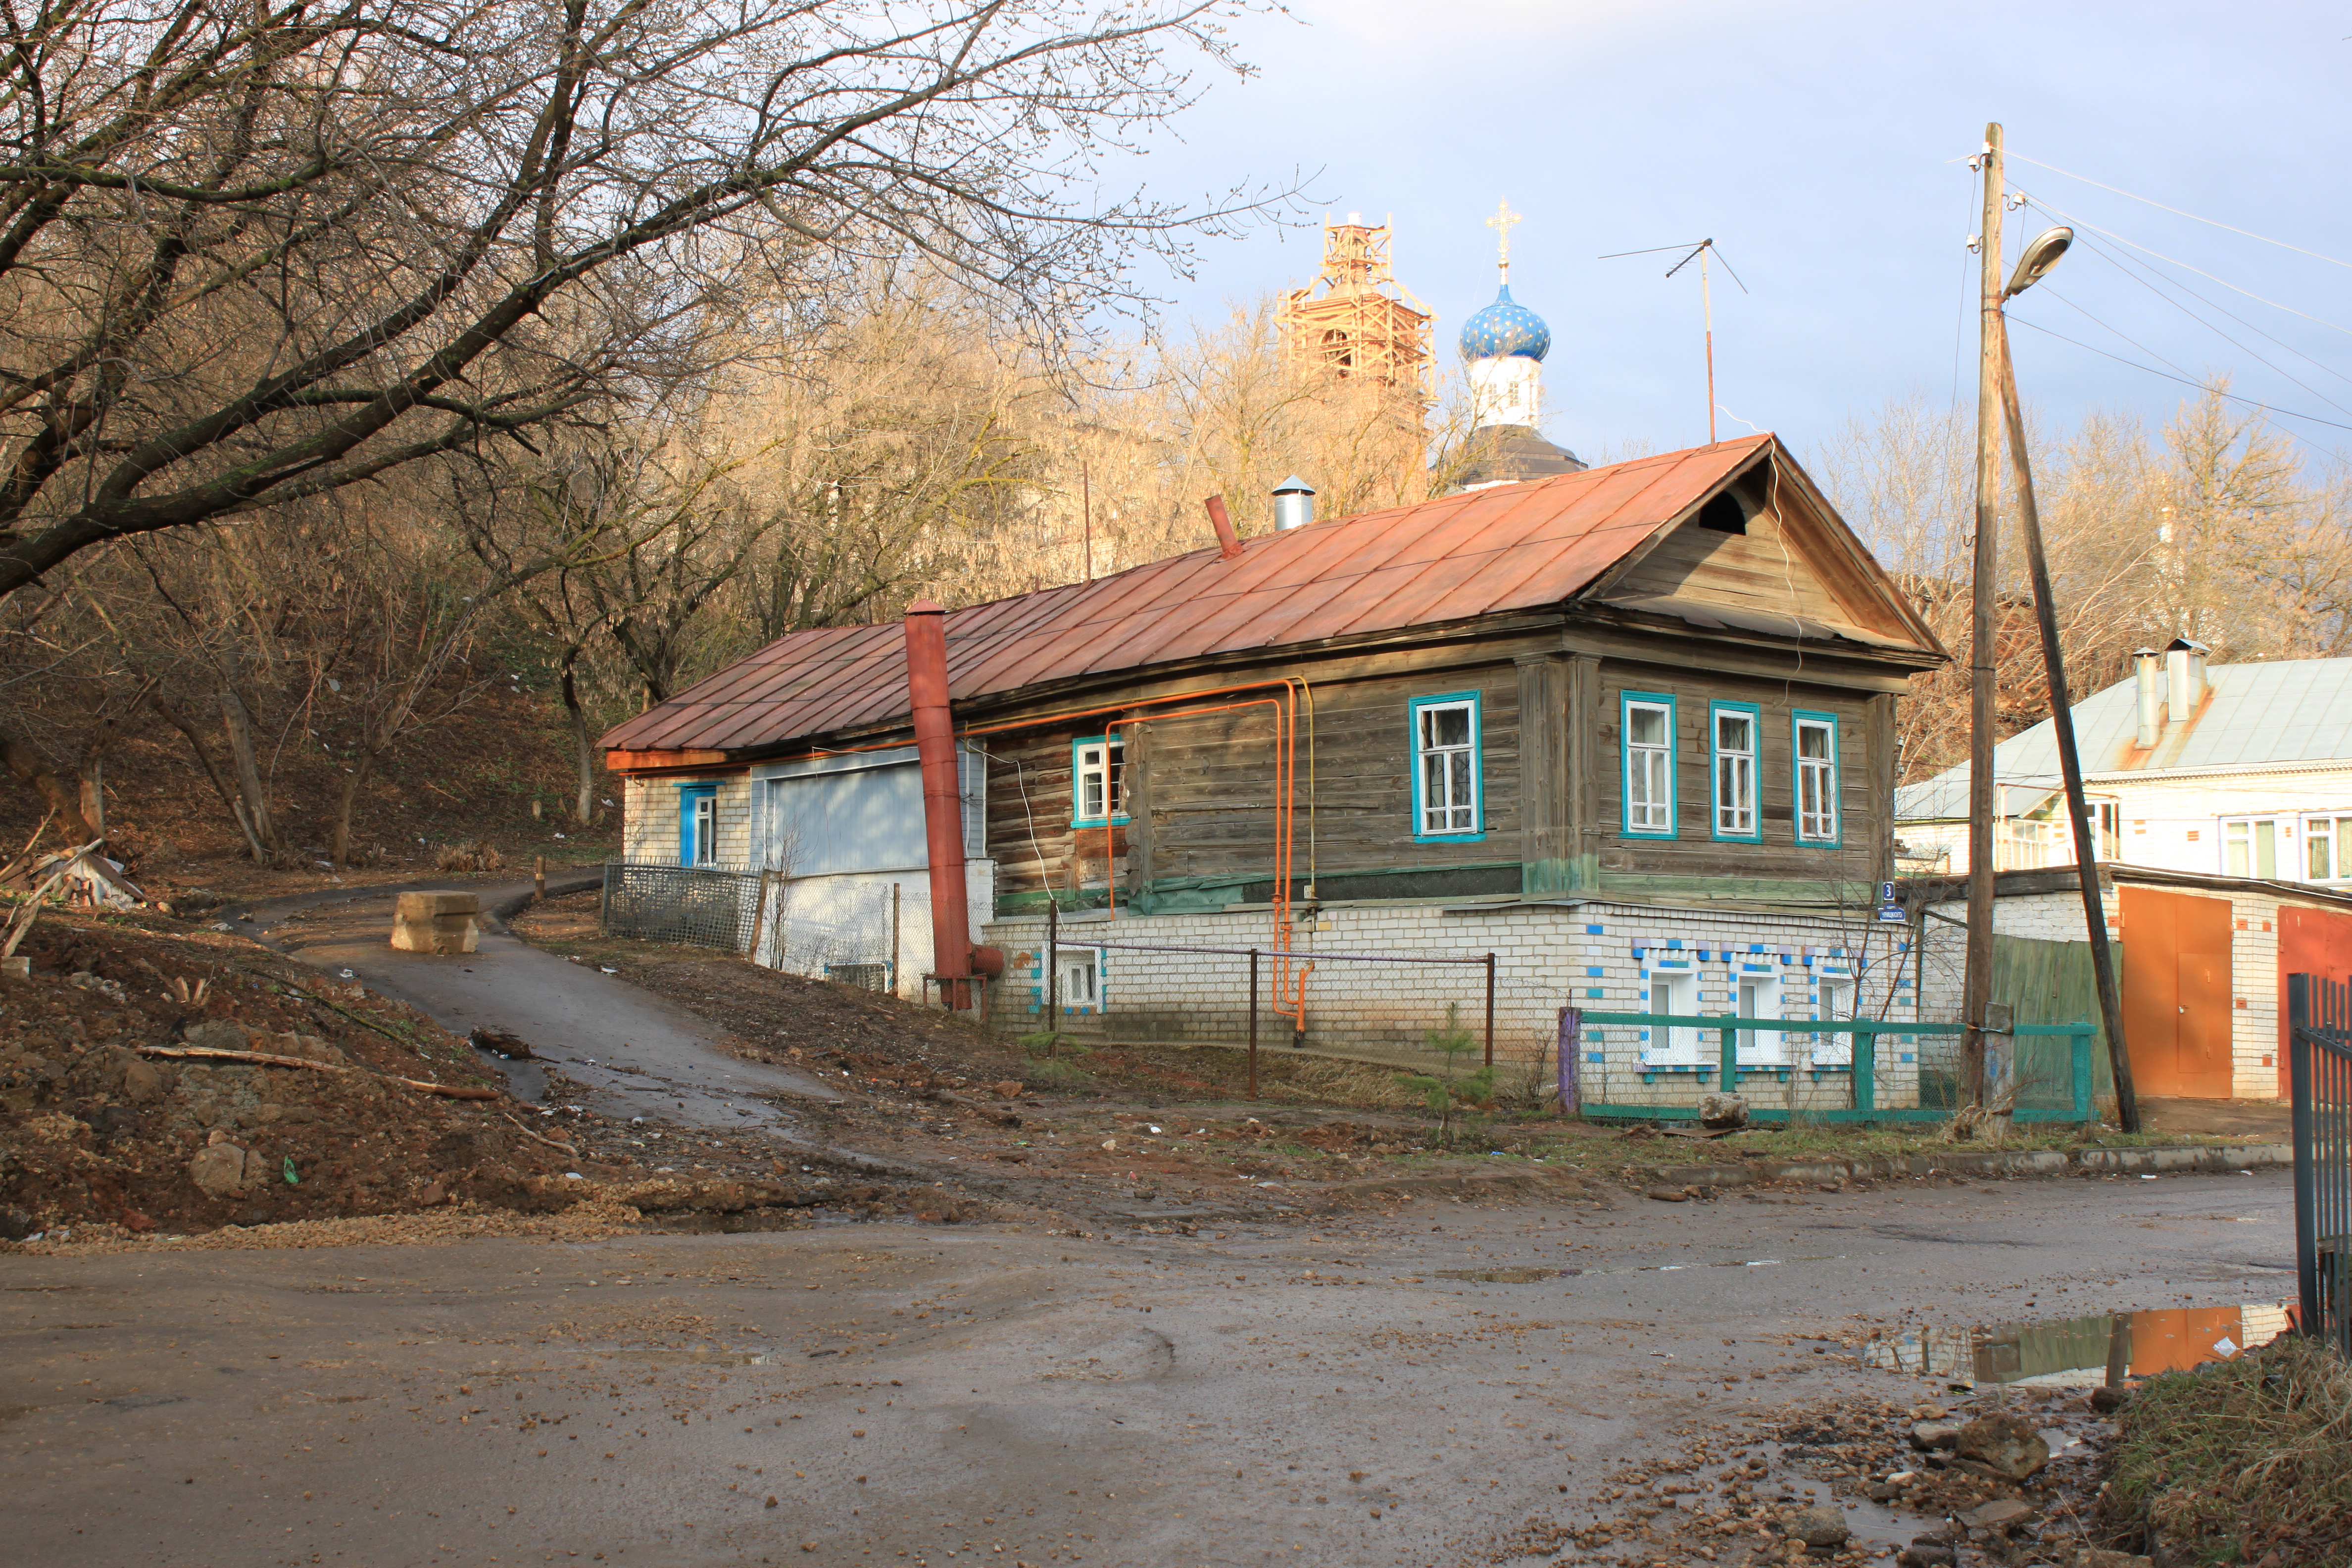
column 1505, row 327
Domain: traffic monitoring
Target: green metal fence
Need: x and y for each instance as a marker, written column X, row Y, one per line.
column 1865, row 1031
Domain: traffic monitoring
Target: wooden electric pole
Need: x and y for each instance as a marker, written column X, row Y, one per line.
column 2070, row 758
column 1976, row 989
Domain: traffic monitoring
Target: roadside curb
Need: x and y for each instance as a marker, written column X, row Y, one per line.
column 1989, row 1163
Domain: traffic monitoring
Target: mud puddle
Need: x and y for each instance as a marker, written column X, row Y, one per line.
column 2080, row 1352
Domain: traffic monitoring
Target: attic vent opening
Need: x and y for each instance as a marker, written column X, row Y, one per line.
column 1724, row 514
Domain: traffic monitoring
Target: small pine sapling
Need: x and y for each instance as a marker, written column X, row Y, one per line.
column 1448, row 1091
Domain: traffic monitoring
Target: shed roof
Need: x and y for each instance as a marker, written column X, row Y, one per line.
column 1509, row 547
column 2274, row 714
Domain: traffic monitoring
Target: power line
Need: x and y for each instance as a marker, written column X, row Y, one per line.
column 2141, row 274
column 2172, row 261
column 2185, row 381
column 2178, row 212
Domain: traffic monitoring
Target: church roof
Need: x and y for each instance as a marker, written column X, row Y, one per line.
column 1505, row 328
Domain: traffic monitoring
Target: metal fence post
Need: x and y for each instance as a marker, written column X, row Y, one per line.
column 1730, row 1061
column 1490, row 1009
column 1571, row 1040
column 2306, row 1226
column 1864, row 1053
column 1053, row 963
column 1252, row 1025
column 2080, row 1044
column 604, row 902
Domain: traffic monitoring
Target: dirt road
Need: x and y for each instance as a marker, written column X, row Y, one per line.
column 1319, row 1393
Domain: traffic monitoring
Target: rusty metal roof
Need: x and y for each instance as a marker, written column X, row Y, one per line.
column 1509, row 547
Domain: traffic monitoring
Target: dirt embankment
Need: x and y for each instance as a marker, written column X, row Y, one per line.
column 109, row 1113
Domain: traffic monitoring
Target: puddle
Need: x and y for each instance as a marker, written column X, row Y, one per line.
column 526, row 1079
column 143, row 1401
column 1500, row 1275
column 718, row 1358
column 2077, row 1352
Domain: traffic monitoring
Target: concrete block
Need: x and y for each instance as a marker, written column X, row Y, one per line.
column 436, row 923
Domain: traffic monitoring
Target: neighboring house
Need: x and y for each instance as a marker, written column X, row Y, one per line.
column 2235, row 770
column 2222, row 802
column 1630, row 729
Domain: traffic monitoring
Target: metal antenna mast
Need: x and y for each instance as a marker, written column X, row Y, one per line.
column 1706, row 299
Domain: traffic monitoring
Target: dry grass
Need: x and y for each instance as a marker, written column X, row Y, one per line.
column 1349, row 1083
column 2243, row 1460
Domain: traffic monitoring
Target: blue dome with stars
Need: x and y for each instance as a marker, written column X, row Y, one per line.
column 1505, row 327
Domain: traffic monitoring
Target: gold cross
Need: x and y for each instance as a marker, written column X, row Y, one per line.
column 1501, row 224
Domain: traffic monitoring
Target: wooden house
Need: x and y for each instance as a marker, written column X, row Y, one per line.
column 1483, row 724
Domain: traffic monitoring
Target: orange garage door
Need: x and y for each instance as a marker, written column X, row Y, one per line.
column 2177, row 993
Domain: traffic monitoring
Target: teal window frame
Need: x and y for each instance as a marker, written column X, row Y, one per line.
column 1625, row 701
column 692, row 797
column 1798, row 720
column 1715, row 756
column 1114, row 783
column 1472, row 700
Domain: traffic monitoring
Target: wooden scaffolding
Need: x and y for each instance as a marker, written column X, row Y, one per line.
column 1356, row 319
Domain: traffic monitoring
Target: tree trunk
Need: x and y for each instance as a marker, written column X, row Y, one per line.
column 584, row 810
column 339, row 843
column 237, row 719
column 93, row 776
column 34, row 769
column 188, row 731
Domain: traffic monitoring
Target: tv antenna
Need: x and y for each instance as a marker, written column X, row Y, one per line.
column 1698, row 253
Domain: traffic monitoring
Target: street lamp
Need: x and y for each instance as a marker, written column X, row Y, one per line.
column 2039, row 258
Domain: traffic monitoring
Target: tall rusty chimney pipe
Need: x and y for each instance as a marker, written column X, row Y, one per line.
column 927, row 695
column 1229, row 543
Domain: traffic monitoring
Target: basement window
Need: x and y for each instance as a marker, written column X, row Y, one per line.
column 1098, row 769
column 1445, row 775
column 1078, row 978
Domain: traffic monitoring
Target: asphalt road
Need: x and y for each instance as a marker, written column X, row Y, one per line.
column 914, row 1394
column 634, row 1053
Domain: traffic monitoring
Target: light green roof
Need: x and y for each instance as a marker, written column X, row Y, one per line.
column 2259, row 715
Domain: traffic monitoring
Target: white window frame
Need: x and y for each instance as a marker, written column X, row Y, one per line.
column 1656, row 817
column 1758, row 996
column 2245, row 831
column 1816, row 777
column 1078, row 975
column 1835, row 996
column 1088, row 765
column 1449, row 818
column 1673, row 993
column 1732, row 787
column 705, row 808
column 2335, row 830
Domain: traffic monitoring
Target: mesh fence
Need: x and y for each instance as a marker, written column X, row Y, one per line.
column 698, row 906
column 1390, row 1009
column 861, row 933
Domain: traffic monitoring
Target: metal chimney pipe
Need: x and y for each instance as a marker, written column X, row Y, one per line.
column 927, row 695
column 2184, row 678
column 1294, row 503
column 2151, row 718
column 1229, row 543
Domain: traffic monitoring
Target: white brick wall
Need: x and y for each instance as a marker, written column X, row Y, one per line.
column 1596, row 957
column 649, row 827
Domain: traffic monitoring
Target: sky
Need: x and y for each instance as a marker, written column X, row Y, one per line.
column 1822, row 146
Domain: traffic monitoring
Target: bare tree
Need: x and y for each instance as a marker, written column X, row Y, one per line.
column 254, row 255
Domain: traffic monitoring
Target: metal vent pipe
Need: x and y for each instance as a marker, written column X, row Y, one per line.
column 2151, row 712
column 1229, row 543
column 927, row 695
column 1294, row 503
column 2184, row 674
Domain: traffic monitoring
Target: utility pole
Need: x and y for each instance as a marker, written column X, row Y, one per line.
column 2070, row 760
column 1086, row 510
column 1976, row 990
